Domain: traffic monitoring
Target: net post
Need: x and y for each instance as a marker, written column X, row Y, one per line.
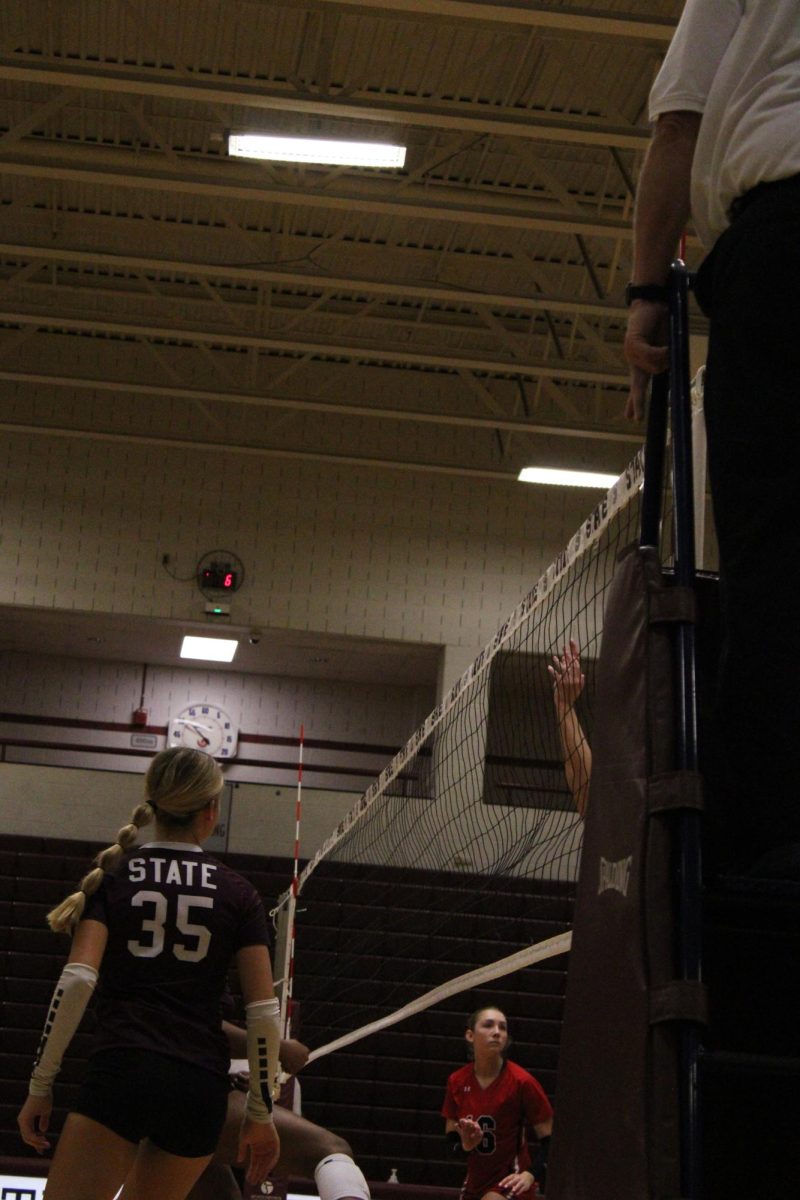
column 688, row 850
column 654, row 450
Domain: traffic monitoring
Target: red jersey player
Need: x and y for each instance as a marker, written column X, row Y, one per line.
column 158, row 925
column 489, row 1106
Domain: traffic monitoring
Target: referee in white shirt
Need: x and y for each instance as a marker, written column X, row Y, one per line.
column 726, row 143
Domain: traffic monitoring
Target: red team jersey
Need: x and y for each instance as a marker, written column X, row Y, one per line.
column 175, row 919
column 505, row 1110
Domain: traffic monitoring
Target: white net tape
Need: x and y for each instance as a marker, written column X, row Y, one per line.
column 549, row 948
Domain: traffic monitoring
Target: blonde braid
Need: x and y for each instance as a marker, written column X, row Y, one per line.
column 65, row 916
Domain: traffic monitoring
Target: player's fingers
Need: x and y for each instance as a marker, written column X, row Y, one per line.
column 256, row 1169
column 273, row 1151
column 261, row 1164
column 31, row 1138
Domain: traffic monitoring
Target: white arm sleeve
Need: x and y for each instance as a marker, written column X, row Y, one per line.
column 71, row 995
column 263, row 1044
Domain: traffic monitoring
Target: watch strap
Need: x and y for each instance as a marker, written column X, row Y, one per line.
column 646, row 291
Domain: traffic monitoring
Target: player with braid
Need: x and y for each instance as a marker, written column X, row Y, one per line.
column 489, row 1106
column 158, row 925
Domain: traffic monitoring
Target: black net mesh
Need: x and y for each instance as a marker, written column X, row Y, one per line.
column 467, row 846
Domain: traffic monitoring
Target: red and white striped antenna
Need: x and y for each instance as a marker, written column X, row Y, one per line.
column 288, row 973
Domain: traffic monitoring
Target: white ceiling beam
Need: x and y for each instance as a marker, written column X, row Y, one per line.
column 37, row 117
column 381, row 109
column 523, row 12
column 333, row 409
column 341, row 320
column 378, row 354
column 218, row 448
column 343, row 283
column 112, row 168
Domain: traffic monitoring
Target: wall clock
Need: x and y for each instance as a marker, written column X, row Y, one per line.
column 204, row 727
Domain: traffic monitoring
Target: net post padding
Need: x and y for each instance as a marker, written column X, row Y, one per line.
column 616, row 1133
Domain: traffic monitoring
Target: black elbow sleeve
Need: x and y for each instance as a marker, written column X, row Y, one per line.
column 539, row 1164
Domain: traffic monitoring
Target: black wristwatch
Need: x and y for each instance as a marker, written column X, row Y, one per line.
column 646, row 291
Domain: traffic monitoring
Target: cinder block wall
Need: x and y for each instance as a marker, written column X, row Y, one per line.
column 84, row 525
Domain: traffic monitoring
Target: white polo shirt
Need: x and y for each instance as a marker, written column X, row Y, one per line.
column 738, row 63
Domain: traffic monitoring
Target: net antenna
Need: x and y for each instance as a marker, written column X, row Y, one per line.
column 473, row 816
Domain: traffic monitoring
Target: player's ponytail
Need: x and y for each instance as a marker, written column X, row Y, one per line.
column 179, row 784
column 65, row 916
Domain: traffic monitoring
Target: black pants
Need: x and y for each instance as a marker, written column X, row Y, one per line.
column 749, row 286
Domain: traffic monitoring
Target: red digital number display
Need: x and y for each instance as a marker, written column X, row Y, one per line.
column 219, row 577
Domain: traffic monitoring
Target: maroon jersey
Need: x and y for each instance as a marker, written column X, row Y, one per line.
column 175, row 919
column 505, row 1110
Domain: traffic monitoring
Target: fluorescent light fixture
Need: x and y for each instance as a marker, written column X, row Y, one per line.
column 587, row 479
column 209, row 649
column 315, row 150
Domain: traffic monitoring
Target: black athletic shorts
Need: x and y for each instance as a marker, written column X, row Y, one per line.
column 140, row 1094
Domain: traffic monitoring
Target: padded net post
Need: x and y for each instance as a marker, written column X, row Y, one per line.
column 617, row 1131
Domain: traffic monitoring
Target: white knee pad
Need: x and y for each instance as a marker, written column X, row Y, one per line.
column 338, row 1177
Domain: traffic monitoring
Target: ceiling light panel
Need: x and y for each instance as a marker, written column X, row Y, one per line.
column 324, row 151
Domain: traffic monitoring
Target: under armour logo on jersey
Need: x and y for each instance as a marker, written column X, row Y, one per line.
column 615, row 875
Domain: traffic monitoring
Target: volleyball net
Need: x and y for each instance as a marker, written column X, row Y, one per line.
column 478, row 817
